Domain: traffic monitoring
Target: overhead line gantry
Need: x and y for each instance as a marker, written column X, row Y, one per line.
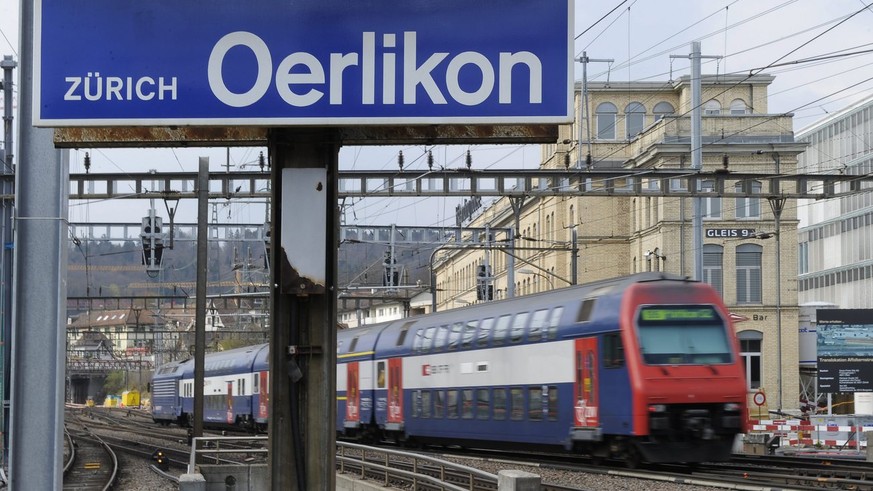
column 468, row 183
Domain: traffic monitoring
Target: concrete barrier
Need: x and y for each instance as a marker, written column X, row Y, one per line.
column 514, row 480
column 345, row 482
column 192, row 482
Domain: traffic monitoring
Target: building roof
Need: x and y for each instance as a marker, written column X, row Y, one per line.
column 115, row 318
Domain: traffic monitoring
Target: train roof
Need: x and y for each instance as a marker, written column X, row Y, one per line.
column 173, row 369
column 220, row 362
column 608, row 294
column 232, row 361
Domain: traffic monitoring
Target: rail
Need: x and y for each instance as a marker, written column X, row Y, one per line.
column 389, row 466
column 198, row 447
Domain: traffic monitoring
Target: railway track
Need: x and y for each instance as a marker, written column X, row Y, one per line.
column 91, row 465
column 742, row 472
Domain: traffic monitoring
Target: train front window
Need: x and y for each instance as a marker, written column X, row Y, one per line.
column 682, row 335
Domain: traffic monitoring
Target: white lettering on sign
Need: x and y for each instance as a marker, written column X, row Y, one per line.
column 95, row 87
column 301, row 68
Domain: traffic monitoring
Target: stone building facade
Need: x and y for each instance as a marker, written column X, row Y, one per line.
column 647, row 125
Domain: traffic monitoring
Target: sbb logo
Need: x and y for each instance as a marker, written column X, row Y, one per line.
column 427, row 370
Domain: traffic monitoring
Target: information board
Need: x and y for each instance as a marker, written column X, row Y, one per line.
column 845, row 350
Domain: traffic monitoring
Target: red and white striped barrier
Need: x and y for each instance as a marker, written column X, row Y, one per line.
column 799, row 432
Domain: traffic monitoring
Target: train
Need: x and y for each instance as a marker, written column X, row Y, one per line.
column 235, row 388
column 642, row 368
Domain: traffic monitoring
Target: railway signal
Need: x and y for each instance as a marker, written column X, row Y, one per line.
column 161, row 460
column 152, row 242
column 484, row 288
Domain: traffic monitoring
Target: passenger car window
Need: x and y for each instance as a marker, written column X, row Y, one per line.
column 452, row 404
column 516, row 409
column 455, row 335
column 469, row 334
column 483, row 404
column 585, row 310
column 554, row 321
column 440, row 340
column 613, row 351
column 518, row 324
column 416, row 343
column 427, row 342
column 538, row 325
column 484, row 332
column 499, row 404
column 501, row 329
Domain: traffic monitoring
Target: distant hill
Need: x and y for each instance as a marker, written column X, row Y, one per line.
column 115, row 269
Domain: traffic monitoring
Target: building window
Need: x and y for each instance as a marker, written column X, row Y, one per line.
column 711, row 207
column 712, row 108
column 606, row 115
column 749, row 207
column 713, row 256
column 749, row 273
column 738, row 106
column 803, row 258
column 634, row 119
column 750, row 351
column 662, row 109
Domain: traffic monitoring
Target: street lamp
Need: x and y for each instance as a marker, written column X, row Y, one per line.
column 534, row 273
column 777, row 204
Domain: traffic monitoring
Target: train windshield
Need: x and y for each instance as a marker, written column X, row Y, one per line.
column 683, row 335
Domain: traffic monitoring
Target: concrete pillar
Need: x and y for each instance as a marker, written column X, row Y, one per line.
column 514, row 480
column 192, row 482
column 868, row 435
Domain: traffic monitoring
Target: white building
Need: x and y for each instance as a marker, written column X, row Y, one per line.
column 835, row 256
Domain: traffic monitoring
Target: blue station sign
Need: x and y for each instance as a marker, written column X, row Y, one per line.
column 313, row 62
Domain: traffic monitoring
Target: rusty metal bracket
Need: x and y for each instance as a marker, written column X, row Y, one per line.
column 304, row 350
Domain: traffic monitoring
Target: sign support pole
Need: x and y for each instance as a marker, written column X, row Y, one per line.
column 39, row 276
column 303, row 339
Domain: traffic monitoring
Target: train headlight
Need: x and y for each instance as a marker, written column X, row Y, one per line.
column 657, row 408
column 732, row 407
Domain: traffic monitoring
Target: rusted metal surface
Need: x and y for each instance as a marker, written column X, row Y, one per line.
column 207, row 136
column 449, row 134
column 151, row 136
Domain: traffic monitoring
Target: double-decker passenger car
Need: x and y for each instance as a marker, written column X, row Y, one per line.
column 235, row 385
column 644, row 367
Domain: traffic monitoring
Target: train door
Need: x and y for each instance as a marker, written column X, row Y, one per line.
column 230, row 402
column 353, row 393
column 395, row 390
column 585, row 413
column 264, row 395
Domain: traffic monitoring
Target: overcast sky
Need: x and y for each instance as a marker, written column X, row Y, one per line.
column 639, row 35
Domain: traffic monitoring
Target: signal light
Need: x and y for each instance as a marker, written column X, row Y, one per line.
column 162, row 462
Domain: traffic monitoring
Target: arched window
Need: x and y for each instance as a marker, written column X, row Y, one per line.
column 750, row 351
column 712, row 108
column 749, row 207
column 634, row 119
column 749, row 273
column 738, row 106
column 548, row 231
column 606, row 114
column 713, row 260
column 662, row 109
